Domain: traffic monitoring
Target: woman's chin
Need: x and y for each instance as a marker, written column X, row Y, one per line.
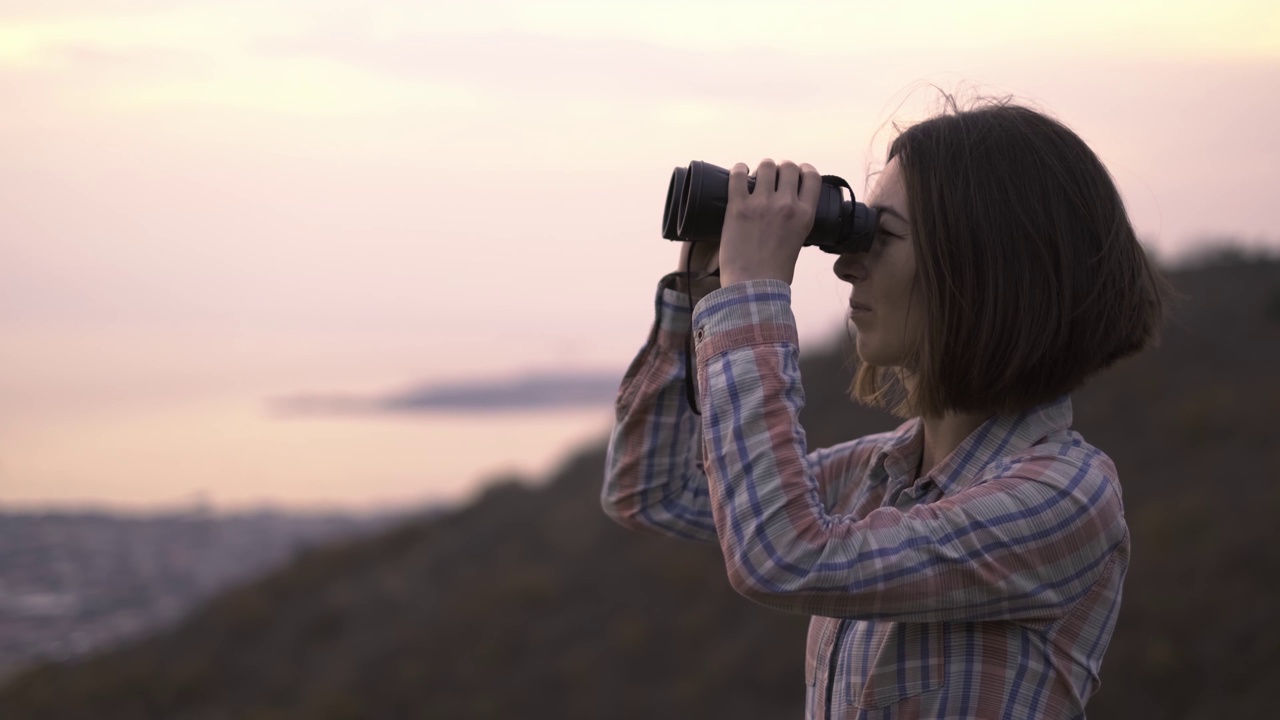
column 866, row 352
column 869, row 354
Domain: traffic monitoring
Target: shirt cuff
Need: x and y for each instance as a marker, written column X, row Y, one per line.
column 748, row 313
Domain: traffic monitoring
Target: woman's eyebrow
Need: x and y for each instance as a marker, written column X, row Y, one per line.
column 883, row 209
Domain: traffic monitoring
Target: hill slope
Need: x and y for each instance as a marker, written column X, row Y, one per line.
column 531, row 604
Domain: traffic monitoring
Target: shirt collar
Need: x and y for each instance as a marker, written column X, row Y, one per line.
column 900, row 452
column 998, row 436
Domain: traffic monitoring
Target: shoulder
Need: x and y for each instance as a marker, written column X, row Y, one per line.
column 1066, row 466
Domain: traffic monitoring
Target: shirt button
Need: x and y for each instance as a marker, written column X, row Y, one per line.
column 699, row 334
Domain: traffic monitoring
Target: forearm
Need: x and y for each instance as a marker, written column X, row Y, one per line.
column 654, row 478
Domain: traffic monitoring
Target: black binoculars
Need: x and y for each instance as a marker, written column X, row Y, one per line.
column 699, row 193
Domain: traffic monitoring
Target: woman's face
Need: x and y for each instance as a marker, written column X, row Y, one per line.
column 883, row 304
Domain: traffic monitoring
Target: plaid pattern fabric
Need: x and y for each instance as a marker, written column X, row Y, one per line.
column 988, row 588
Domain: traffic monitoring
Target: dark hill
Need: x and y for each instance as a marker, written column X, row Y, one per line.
column 531, row 604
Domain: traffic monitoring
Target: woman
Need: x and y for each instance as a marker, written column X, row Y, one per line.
column 970, row 563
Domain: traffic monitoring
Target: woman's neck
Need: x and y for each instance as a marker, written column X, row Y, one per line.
column 942, row 435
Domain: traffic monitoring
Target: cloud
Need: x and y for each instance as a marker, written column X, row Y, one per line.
column 532, row 391
column 94, row 66
column 14, row 10
column 539, row 65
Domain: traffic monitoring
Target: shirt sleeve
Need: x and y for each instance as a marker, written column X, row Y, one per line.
column 654, row 478
column 1025, row 543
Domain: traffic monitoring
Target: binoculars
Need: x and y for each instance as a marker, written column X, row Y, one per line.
column 698, row 194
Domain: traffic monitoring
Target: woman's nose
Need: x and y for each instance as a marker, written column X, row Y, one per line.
column 851, row 267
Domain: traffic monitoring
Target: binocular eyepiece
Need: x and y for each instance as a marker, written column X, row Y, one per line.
column 698, row 195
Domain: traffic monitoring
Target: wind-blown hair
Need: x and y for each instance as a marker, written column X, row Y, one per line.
column 1030, row 271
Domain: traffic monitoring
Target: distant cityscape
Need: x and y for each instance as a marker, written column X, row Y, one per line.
column 74, row 583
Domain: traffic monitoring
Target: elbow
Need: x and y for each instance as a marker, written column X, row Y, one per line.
column 627, row 510
column 616, row 499
column 760, row 583
column 771, row 595
column 616, row 506
column 777, row 577
column 620, row 513
column 744, row 585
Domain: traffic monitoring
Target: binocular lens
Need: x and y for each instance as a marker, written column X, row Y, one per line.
column 697, row 196
column 671, row 213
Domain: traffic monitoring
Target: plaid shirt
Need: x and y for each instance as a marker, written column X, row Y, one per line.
column 988, row 588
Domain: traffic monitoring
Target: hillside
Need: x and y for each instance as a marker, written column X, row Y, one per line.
column 530, row 603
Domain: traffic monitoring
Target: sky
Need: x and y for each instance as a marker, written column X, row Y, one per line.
column 206, row 205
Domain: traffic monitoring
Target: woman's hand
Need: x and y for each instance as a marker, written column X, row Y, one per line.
column 764, row 229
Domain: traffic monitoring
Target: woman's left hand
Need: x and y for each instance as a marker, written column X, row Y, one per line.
column 765, row 228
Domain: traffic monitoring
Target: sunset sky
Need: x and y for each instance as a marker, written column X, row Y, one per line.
column 204, row 205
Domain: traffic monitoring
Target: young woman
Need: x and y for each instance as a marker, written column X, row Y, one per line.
column 970, row 563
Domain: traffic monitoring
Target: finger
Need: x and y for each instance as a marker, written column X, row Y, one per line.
column 766, row 177
column 738, row 183
column 788, row 178
column 810, row 185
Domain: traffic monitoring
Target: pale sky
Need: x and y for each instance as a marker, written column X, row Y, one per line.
column 209, row 201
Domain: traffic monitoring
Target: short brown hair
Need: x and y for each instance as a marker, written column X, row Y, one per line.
column 1031, row 274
